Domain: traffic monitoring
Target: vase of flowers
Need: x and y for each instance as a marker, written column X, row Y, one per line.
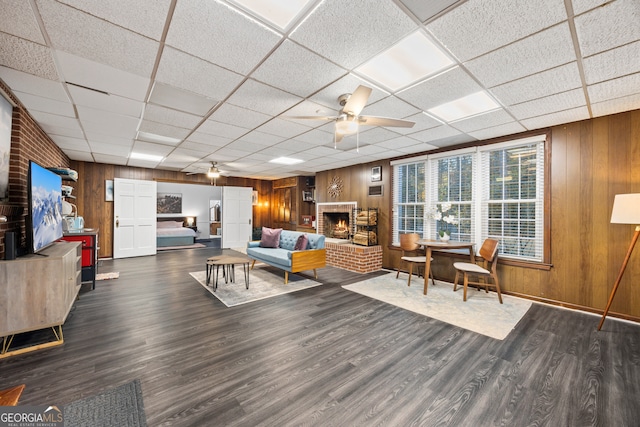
column 441, row 213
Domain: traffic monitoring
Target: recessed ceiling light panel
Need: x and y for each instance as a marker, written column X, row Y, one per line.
column 467, row 106
column 413, row 59
column 278, row 12
column 286, row 161
column 142, row 156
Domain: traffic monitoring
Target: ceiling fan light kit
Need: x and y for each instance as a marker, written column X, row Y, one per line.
column 213, row 171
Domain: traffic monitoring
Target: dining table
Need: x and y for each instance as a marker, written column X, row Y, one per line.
column 440, row 245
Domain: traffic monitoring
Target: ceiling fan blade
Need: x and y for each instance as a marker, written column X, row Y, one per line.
column 357, row 100
column 325, row 118
column 384, row 121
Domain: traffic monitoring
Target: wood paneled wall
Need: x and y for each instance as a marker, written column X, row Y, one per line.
column 97, row 213
column 591, row 162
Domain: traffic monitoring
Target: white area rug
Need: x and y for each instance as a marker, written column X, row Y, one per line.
column 264, row 282
column 481, row 313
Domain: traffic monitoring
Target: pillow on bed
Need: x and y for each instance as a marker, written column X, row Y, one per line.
column 301, row 243
column 270, row 237
column 169, row 224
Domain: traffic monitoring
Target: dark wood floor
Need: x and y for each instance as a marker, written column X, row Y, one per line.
column 325, row 356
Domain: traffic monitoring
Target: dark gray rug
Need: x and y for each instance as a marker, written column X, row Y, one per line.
column 118, row 407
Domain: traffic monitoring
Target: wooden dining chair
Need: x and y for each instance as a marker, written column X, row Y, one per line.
column 410, row 250
column 489, row 254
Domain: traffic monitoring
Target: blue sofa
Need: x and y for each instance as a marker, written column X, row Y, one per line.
column 287, row 259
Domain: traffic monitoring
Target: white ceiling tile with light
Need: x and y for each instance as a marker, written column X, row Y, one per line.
column 268, row 89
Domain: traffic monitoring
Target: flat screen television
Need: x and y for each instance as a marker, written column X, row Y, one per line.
column 45, row 208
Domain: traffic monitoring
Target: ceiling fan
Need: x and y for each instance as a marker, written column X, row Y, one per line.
column 349, row 120
column 212, row 173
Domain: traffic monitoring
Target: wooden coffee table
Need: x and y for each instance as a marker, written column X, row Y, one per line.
column 227, row 262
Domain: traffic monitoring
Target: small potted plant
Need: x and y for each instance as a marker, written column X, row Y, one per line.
column 439, row 214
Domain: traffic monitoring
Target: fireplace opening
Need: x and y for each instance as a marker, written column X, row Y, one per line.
column 336, row 225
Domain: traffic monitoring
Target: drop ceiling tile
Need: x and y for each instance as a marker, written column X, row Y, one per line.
column 373, row 135
column 136, row 163
column 111, row 103
column 496, row 131
column 422, row 122
column 18, row 20
column 221, row 129
column 425, row 10
column 67, row 143
column 100, row 138
column 322, row 151
column 617, row 88
column 550, row 104
column 259, row 97
column 567, row 116
column 75, row 132
column 442, row 88
column 618, row 105
column 482, row 121
column 114, row 150
column 244, row 146
column 435, row 134
column 26, row 56
column 613, row 63
column 581, row 6
column 453, row 140
column 96, row 39
column 297, row 70
column 418, row 148
column 193, row 74
column 80, row 156
column 350, row 32
column 283, row 128
column 207, row 139
column 197, row 148
column 545, row 83
column 168, row 116
column 103, row 122
column 55, row 120
column 20, row 81
column 220, row 35
column 542, row 51
column 315, row 137
column 594, row 28
column 395, row 143
column 492, row 24
column 180, row 99
column 390, row 106
column 226, row 154
column 154, row 13
column 237, row 116
column 151, row 148
column 110, row 160
column 91, row 74
column 164, row 129
column 261, row 138
column 46, row 105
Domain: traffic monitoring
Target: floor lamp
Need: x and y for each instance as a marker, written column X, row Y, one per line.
column 626, row 210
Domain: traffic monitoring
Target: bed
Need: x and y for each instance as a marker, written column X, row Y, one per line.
column 173, row 231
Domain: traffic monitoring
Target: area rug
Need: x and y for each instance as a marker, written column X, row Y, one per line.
column 264, row 282
column 481, row 313
column 173, row 248
column 107, row 276
column 118, row 407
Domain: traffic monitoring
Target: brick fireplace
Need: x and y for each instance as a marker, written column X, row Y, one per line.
column 342, row 253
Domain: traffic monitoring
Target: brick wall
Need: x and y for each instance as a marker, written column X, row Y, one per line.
column 28, row 142
column 360, row 259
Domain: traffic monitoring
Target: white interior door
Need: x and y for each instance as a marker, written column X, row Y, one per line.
column 134, row 211
column 237, row 215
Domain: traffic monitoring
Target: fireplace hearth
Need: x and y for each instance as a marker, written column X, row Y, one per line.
column 336, row 225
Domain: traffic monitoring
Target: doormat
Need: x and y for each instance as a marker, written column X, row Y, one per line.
column 107, row 276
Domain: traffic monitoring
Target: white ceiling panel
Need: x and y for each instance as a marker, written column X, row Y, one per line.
column 613, row 63
column 96, row 39
column 297, row 70
column 153, row 11
column 46, row 105
column 23, row 55
column 549, row 82
column 617, row 88
column 213, row 31
column 151, row 148
column 561, row 101
column 18, row 19
column 541, row 51
column 435, row 91
column 81, row 156
column 518, row 19
column 612, row 25
column 225, row 87
column 93, row 75
column 350, row 32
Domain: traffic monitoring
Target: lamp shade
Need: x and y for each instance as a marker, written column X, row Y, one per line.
column 626, row 209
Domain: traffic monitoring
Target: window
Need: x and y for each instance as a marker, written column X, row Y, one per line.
column 494, row 191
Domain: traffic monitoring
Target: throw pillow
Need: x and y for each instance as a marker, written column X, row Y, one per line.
column 270, row 237
column 301, row 243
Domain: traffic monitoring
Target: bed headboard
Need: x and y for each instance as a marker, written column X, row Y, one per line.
column 183, row 219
